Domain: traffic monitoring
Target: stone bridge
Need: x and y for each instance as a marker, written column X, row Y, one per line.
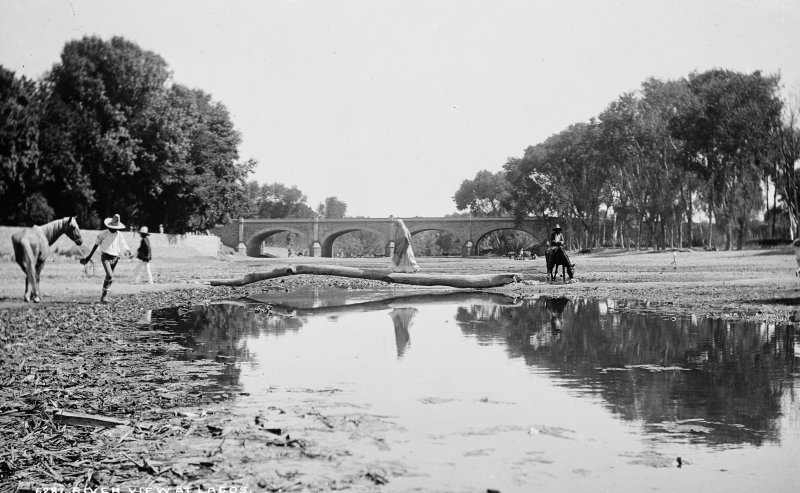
column 246, row 235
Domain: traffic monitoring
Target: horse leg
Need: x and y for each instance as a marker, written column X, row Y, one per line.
column 30, row 271
column 19, row 256
column 27, row 296
column 37, row 297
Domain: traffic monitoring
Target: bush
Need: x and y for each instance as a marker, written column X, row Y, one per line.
column 37, row 210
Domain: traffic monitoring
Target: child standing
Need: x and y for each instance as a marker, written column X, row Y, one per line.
column 145, row 255
column 111, row 244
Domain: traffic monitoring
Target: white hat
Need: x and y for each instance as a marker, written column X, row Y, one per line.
column 144, row 231
column 113, row 222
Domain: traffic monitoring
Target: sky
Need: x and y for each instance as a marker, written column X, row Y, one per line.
column 390, row 105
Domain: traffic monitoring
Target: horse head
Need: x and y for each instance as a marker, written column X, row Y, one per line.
column 73, row 231
column 570, row 270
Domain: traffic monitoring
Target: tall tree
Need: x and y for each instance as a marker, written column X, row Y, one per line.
column 728, row 133
column 100, row 92
column 21, row 175
column 565, row 176
column 650, row 183
column 116, row 138
column 786, row 141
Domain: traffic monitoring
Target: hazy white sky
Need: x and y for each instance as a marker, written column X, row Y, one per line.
column 390, row 105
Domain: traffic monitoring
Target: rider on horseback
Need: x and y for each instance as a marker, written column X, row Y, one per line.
column 556, row 255
column 556, row 238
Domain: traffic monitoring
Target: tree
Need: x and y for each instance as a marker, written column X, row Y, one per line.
column 649, row 181
column 581, row 176
column 565, row 176
column 786, row 142
column 728, row 131
column 276, row 201
column 332, row 208
column 20, row 173
column 530, row 184
column 99, row 96
column 116, row 137
column 485, row 195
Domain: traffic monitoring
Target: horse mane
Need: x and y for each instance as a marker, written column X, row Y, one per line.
column 55, row 228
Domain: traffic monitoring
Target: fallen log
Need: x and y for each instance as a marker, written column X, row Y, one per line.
column 416, row 279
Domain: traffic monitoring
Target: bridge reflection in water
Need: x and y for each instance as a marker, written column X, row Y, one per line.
column 672, row 382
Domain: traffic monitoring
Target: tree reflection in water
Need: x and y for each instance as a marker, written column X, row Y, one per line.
column 219, row 332
column 650, row 368
column 726, row 378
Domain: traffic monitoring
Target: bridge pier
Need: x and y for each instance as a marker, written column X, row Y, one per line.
column 467, row 250
column 389, row 250
column 316, row 249
column 241, row 247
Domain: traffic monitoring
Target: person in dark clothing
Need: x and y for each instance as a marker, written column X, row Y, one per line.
column 145, row 255
column 556, row 238
column 557, row 242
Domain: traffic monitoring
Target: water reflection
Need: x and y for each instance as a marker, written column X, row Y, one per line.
column 703, row 380
column 731, row 376
column 402, row 319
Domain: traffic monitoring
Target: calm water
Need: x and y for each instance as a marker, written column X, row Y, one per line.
column 468, row 391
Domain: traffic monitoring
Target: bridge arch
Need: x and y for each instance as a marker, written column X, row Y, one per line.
column 537, row 237
column 421, row 229
column 332, row 236
column 460, row 238
column 253, row 244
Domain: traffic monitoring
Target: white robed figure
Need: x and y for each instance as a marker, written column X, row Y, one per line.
column 403, row 259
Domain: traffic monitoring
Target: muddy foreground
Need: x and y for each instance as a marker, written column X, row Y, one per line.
column 148, row 425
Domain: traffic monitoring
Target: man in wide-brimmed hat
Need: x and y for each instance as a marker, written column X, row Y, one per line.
column 111, row 244
column 556, row 237
column 556, row 244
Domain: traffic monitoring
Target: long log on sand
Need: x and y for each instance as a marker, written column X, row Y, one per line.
column 416, row 279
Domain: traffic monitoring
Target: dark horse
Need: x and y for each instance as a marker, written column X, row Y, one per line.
column 32, row 246
column 557, row 256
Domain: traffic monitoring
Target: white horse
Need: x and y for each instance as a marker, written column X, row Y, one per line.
column 32, row 247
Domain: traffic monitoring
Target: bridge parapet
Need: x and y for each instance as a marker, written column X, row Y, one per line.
column 246, row 235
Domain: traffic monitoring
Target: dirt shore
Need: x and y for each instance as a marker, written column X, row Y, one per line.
column 71, row 354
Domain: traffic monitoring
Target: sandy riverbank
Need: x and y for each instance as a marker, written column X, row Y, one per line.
column 755, row 284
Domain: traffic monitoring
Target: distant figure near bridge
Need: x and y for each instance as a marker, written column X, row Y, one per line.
column 403, row 258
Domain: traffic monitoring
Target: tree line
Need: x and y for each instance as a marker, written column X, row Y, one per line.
column 105, row 131
column 710, row 145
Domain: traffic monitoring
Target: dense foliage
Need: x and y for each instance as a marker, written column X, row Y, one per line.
column 711, row 144
column 104, row 132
